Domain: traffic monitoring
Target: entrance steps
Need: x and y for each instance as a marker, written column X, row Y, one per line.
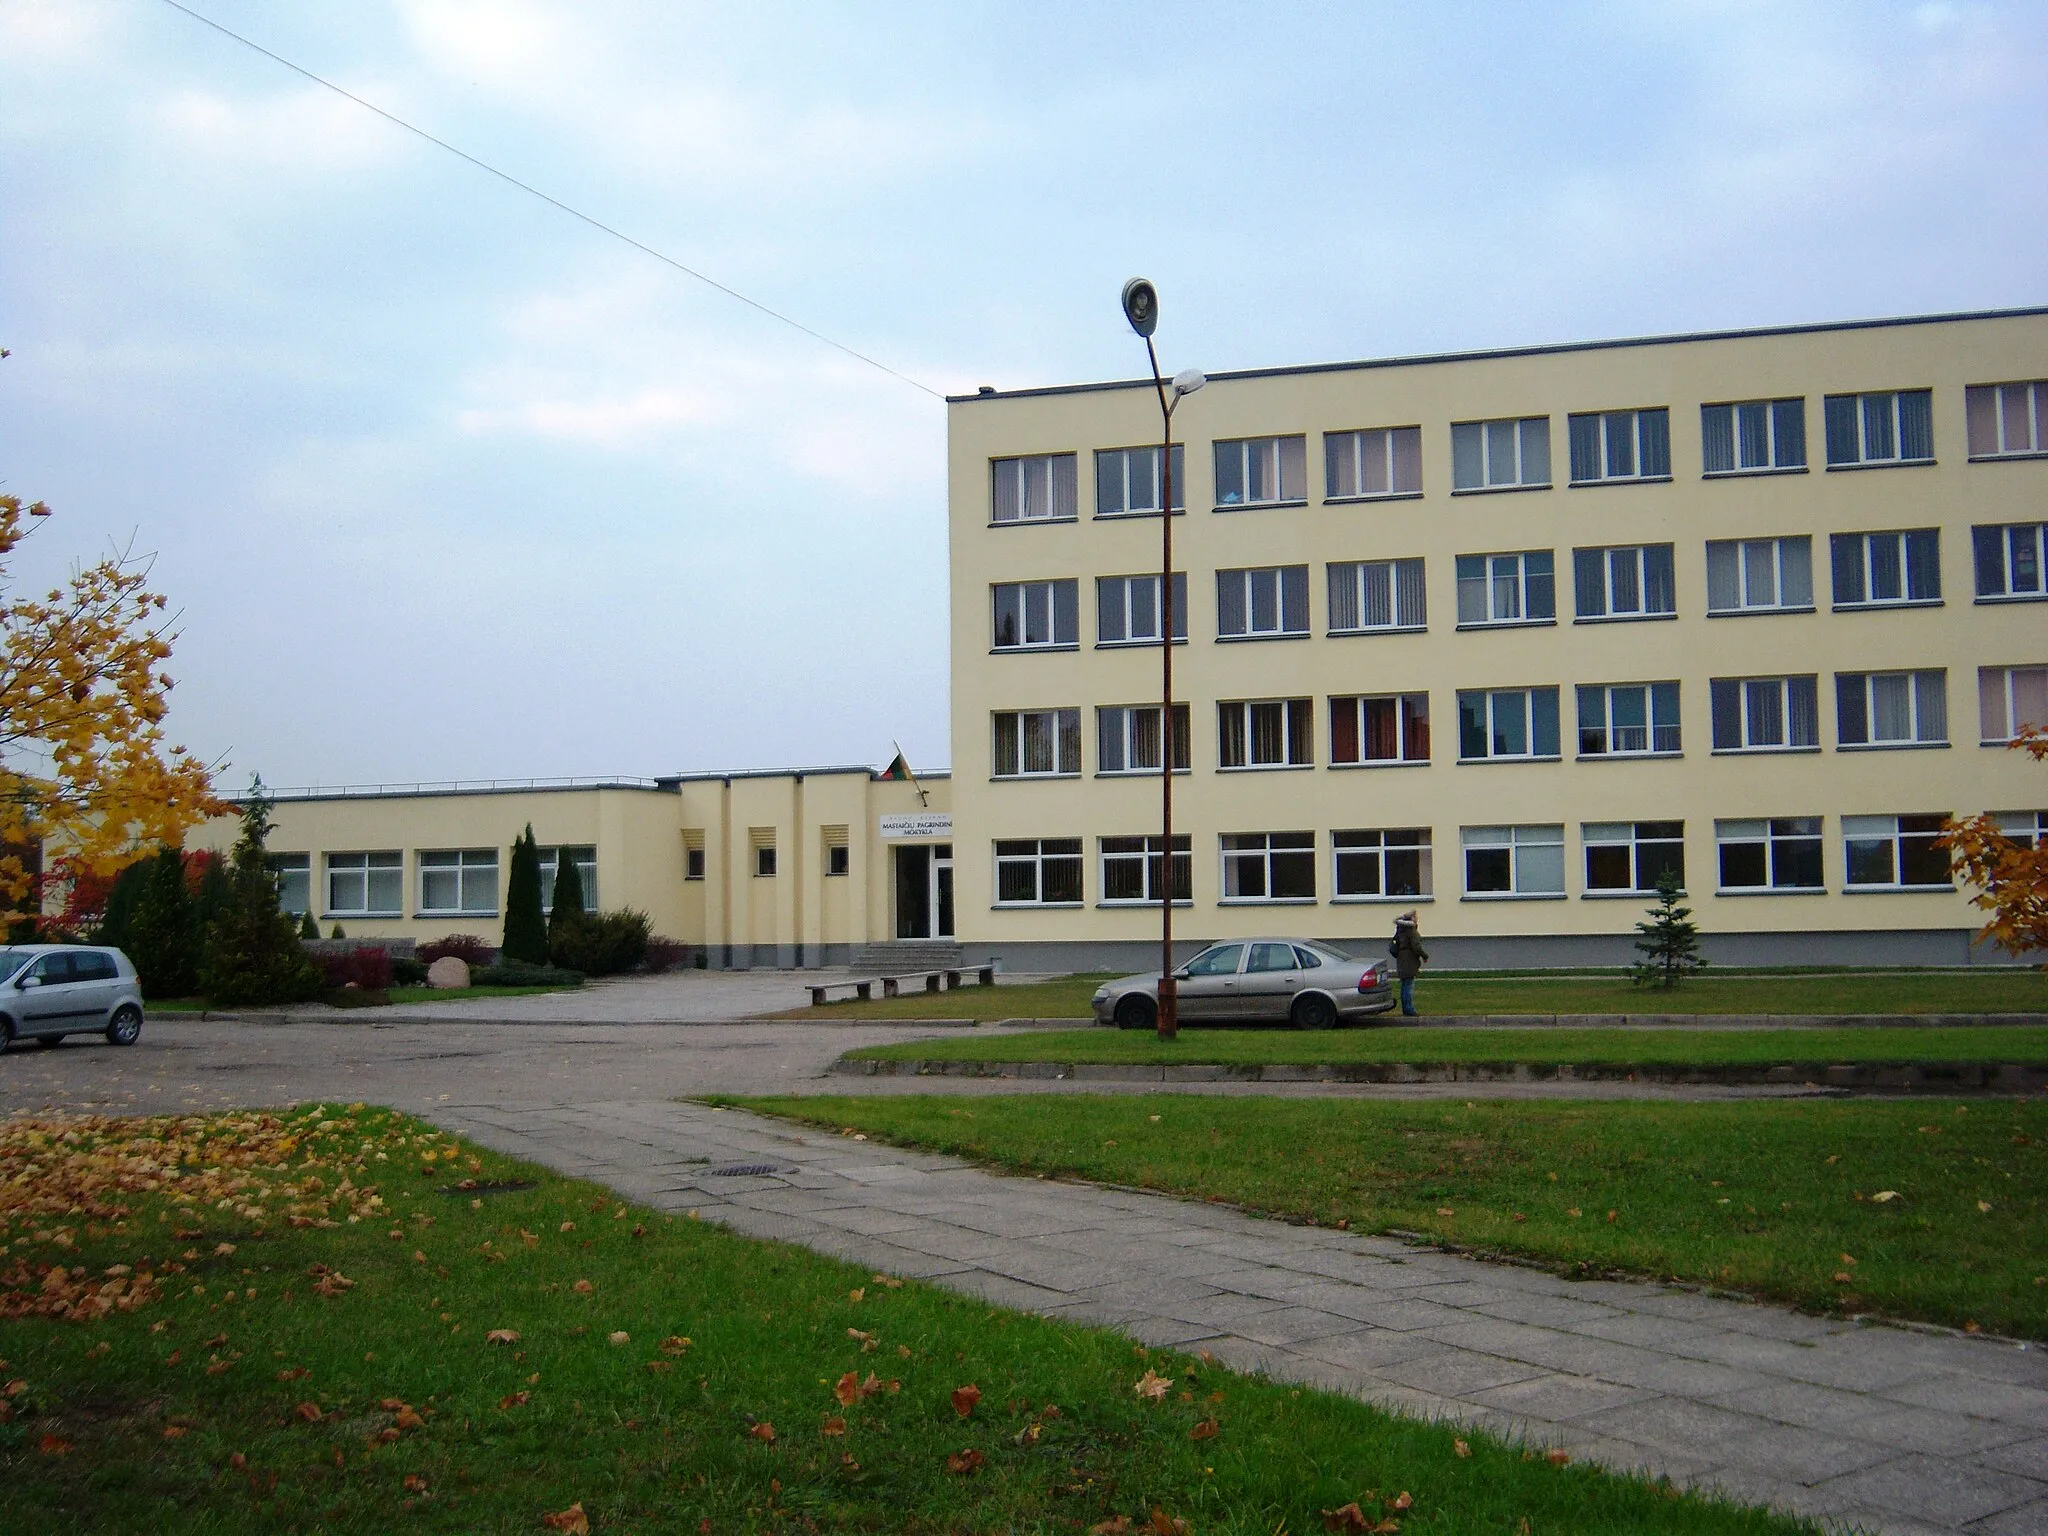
column 903, row 955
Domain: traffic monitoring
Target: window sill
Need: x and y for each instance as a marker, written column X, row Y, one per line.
column 1031, row 522
column 1773, row 890
column 1497, row 490
column 358, row 916
column 1285, row 634
column 1474, row 762
column 423, row 914
column 2000, row 458
column 1030, row 778
column 1035, row 906
column 1891, row 746
column 1898, row 890
column 1623, row 618
column 1752, row 474
column 1379, row 901
column 1265, row 901
column 2012, row 597
column 1380, row 629
column 1751, row 613
column 1140, row 906
column 1137, row 773
column 1125, row 517
column 1883, row 464
column 1386, row 762
column 1032, row 650
column 1582, row 485
column 1760, row 751
column 1607, row 895
column 1911, row 602
column 1478, row 624
column 1513, row 896
column 1626, row 757
column 1257, row 506
column 1352, row 501
column 1265, row 768
column 1136, row 645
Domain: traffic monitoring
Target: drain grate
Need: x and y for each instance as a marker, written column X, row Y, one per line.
column 741, row 1170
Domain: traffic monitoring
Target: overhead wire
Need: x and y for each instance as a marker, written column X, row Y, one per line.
column 553, row 202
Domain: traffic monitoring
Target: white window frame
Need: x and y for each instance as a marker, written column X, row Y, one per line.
column 1513, row 454
column 1758, row 440
column 2001, row 686
column 1037, row 854
column 1925, row 693
column 2015, row 415
column 1869, row 553
column 2029, row 829
column 1639, row 838
column 1038, row 600
column 1241, row 853
column 293, row 867
column 2026, row 540
column 1358, row 588
column 1498, row 700
column 1118, row 857
column 1285, row 454
column 1661, row 733
column 1872, row 831
column 1120, row 740
column 474, row 869
column 1121, row 464
column 586, row 874
column 1636, row 559
column 1358, row 850
column 838, row 852
column 1406, row 719
column 1752, row 696
column 1133, row 603
column 1639, row 432
column 1749, row 562
column 1355, row 457
column 1035, row 487
column 1296, row 719
column 388, row 863
column 1533, row 850
column 1064, row 738
column 1879, row 413
column 1282, row 589
column 1512, row 586
column 1771, row 836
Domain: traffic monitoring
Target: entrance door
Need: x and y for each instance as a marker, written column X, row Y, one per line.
column 924, row 891
column 942, row 889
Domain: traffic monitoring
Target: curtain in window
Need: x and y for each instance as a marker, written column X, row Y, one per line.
column 1655, row 431
column 1930, row 706
column 1724, row 576
column 1344, row 730
column 1230, row 604
column 1788, row 427
column 1110, row 598
column 1500, row 453
column 1660, row 588
column 1763, row 701
column 1923, row 565
column 1664, row 733
column 1109, row 740
column 1753, row 427
column 1585, row 447
column 1006, row 749
column 1880, row 427
column 1230, row 730
column 1009, row 492
column 1468, row 456
column 1372, row 463
column 1916, row 424
column 1344, row 585
column 1621, row 444
column 1623, row 567
column 1407, row 459
column 1535, row 437
column 1471, row 589
column 1846, row 558
column 1844, row 446
column 1382, row 730
column 2029, row 698
column 1377, row 579
column 1410, row 602
column 1724, row 706
column 1717, row 438
column 1802, row 711
column 1268, row 733
column 1066, row 612
column 1415, row 727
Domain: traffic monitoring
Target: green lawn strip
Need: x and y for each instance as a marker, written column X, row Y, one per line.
column 242, row 1399
column 1978, row 991
column 1614, row 1047
column 1766, row 1196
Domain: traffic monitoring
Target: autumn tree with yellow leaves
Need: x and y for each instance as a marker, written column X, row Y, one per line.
column 2011, row 876
column 84, row 770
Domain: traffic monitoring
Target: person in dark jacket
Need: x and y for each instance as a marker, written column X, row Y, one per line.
column 1408, row 956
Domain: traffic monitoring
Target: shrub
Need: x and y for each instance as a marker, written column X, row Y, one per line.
column 471, row 948
column 515, row 973
column 406, row 972
column 366, row 966
column 602, row 943
column 666, row 955
column 163, row 932
column 253, row 954
column 308, row 929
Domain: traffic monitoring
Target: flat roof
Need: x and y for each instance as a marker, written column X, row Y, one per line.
column 1502, row 352
column 665, row 784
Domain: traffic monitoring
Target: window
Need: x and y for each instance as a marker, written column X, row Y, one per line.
column 1127, row 482
column 294, row 873
column 585, row 860
column 2009, row 699
column 1887, row 427
column 2010, row 561
column 1261, row 471
column 2007, row 420
column 1381, row 863
column 1266, row 733
column 366, row 884
column 1507, row 723
column 1630, row 857
column 1038, row 489
column 1131, row 873
column 1037, row 743
column 1765, row 714
column 838, row 852
column 764, row 861
column 1038, row 872
column 1779, row 854
column 1500, row 455
column 1514, row 861
column 1380, row 461
column 1507, row 589
column 1760, row 575
column 1891, row 709
column 2029, row 829
column 1621, row 445
column 1628, row 720
column 1127, row 738
column 1269, row 866
column 1753, row 437
column 465, row 881
column 1387, row 728
column 1626, row 581
column 1036, row 615
column 1266, row 603
column 693, row 854
column 1876, row 569
column 1127, row 609
column 1368, row 595
column 1895, row 853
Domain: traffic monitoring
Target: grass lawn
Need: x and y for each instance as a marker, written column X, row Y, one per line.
column 1980, row 991
column 339, row 1320
column 1933, row 1211
column 1607, row 1047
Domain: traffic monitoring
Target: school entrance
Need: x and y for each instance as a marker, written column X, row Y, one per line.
column 924, row 891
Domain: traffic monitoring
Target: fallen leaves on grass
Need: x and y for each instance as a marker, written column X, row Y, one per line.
column 1208, row 1429
column 502, row 1336
column 851, row 1389
column 674, row 1344
column 573, row 1520
column 833, row 1426
column 54, row 1445
column 1461, row 1448
column 962, row 1462
column 515, row 1400
column 308, row 1413
column 1152, row 1386
column 964, row 1399
column 619, row 1336
column 763, row 1432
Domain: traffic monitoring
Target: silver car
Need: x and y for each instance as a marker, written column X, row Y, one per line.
column 48, row 991
column 1257, row 981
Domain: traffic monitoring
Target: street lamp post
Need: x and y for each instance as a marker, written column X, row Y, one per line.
column 1141, row 308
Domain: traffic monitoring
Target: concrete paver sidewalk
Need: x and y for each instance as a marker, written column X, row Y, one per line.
column 1886, row 1428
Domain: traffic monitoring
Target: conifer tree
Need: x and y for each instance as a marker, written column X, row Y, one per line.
column 162, row 932
column 1670, row 942
column 565, row 916
column 526, row 926
column 308, row 929
column 253, row 954
column 121, row 902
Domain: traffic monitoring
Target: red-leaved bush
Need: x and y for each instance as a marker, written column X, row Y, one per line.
column 665, row 955
column 366, row 966
column 473, row 948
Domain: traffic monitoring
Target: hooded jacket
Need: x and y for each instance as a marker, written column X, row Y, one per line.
column 1407, row 949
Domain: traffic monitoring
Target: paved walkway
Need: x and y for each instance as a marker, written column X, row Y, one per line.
column 1891, row 1429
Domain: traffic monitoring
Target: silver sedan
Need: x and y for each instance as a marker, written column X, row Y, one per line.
column 1255, row 980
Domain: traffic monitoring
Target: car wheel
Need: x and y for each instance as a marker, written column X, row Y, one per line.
column 1314, row 1011
column 126, row 1028
column 1134, row 1010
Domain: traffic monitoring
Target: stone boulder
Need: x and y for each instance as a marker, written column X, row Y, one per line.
column 448, row 971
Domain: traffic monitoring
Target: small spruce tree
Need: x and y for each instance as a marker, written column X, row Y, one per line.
column 526, row 926
column 308, row 929
column 338, row 932
column 253, row 955
column 1670, row 942
column 162, row 935
column 566, row 915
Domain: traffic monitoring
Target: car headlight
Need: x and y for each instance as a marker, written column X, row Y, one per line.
column 1101, row 995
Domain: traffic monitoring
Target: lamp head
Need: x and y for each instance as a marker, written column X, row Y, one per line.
column 1187, row 381
column 1141, row 305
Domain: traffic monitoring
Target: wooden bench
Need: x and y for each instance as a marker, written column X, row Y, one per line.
column 947, row 980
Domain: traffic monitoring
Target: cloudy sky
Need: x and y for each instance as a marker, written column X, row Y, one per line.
column 450, row 485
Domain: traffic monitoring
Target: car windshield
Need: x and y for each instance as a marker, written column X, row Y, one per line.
column 11, row 962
